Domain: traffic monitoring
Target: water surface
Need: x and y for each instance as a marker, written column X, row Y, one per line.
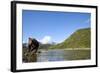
column 63, row 55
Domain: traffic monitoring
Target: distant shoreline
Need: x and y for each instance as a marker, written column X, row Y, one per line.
column 66, row 49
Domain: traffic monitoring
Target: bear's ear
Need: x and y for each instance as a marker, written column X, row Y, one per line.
column 30, row 38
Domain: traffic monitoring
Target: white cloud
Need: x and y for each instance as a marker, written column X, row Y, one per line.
column 46, row 39
column 87, row 21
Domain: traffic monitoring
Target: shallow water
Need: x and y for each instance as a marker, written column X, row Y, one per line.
column 63, row 55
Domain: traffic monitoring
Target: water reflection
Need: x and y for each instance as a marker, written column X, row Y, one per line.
column 52, row 55
column 59, row 55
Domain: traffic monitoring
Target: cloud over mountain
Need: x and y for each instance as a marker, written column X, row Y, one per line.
column 46, row 40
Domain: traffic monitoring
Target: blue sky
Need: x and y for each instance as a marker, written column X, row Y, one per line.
column 51, row 26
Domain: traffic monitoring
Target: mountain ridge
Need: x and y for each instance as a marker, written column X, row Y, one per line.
column 79, row 39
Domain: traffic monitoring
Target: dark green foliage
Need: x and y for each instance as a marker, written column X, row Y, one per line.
column 79, row 39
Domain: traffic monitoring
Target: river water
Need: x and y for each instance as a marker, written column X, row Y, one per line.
column 63, row 55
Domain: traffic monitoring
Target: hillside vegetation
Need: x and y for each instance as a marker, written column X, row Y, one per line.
column 79, row 39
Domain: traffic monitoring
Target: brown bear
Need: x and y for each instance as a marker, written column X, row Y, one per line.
column 31, row 54
column 33, row 45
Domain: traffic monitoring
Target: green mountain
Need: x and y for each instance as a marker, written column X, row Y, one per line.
column 44, row 46
column 79, row 39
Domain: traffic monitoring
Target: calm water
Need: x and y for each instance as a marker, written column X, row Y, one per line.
column 61, row 55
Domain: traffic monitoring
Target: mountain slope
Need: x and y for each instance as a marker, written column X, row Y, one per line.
column 79, row 39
